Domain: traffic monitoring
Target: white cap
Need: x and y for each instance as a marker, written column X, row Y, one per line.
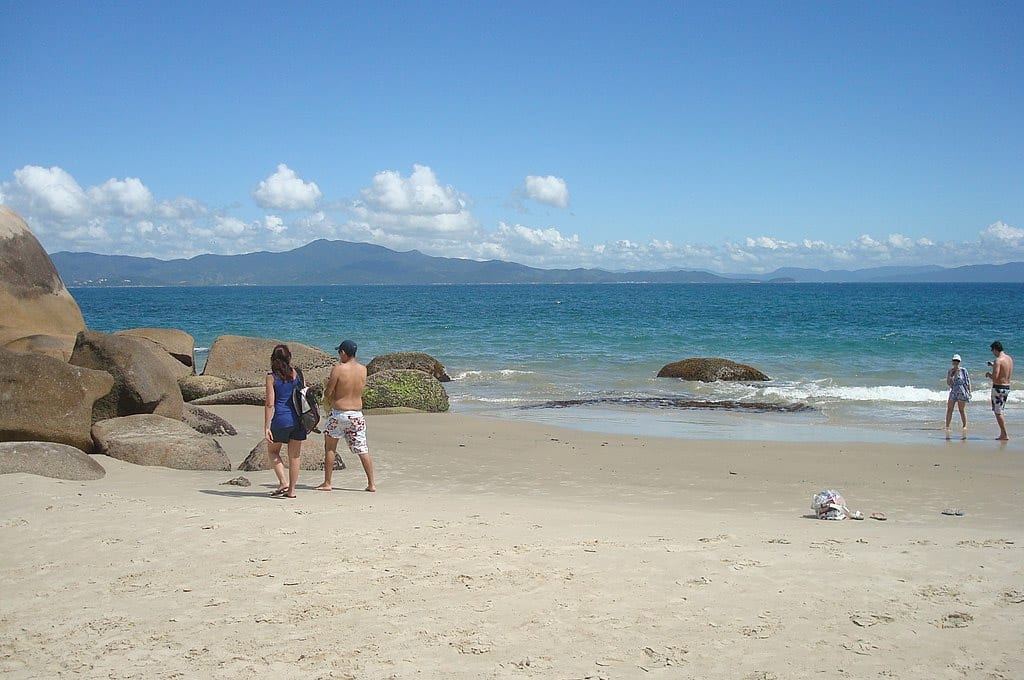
column 956, row 357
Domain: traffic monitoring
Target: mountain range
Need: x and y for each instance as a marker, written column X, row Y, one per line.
column 343, row 262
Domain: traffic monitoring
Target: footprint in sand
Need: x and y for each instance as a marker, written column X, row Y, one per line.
column 670, row 656
column 866, row 620
column 1013, row 597
column 862, row 647
column 955, row 620
column 931, row 592
column 988, row 543
column 714, row 539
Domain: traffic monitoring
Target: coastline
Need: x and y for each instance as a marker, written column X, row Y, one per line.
column 710, row 425
column 501, row 547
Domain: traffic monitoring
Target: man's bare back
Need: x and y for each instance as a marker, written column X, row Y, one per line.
column 345, row 386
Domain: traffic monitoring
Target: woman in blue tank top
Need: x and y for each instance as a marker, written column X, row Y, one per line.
column 282, row 422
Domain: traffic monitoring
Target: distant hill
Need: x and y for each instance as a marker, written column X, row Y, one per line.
column 344, row 262
column 1012, row 272
column 334, row 262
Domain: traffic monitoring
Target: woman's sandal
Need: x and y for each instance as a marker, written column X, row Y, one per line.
column 279, row 492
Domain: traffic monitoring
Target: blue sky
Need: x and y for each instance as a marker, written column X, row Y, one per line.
column 733, row 137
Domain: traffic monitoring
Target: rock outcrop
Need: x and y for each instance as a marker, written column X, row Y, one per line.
column 56, row 346
column 311, row 458
column 204, row 422
column 32, row 296
column 711, row 370
column 417, row 361
column 143, row 381
column 246, row 396
column 405, row 387
column 199, row 386
column 46, row 399
column 154, row 440
column 48, row 459
column 178, row 344
column 245, row 361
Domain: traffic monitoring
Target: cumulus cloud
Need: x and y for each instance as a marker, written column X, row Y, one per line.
column 549, row 190
column 1002, row 235
column 274, row 224
column 417, row 204
column 285, row 190
column 49, row 192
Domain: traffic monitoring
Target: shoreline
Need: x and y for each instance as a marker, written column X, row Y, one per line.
column 506, row 548
column 710, row 425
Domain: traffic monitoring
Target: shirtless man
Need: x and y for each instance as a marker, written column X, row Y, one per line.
column 1002, row 371
column 344, row 393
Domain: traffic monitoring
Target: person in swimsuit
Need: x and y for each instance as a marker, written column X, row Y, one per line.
column 959, row 394
column 1001, row 373
column 344, row 394
column 282, row 422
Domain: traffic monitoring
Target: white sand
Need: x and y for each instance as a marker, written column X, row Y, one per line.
column 500, row 550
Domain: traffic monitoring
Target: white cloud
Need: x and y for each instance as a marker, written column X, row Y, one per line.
column 284, row 190
column 50, row 192
column 418, row 204
column 128, row 197
column 229, row 226
column 522, row 239
column 274, row 224
column 420, row 194
column 549, row 190
column 1000, row 234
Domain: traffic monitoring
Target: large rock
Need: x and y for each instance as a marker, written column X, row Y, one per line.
column 143, row 381
column 246, row 396
column 48, row 459
column 405, row 387
column 45, row 399
column 32, row 296
column 205, row 422
column 154, row 440
column 710, row 370
column 56, row 346
column 311, row 457
column 246, row 361
column 199, row 386
column 178, row 344
column 417, row 361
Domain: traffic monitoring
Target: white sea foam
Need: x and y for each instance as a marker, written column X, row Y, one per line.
column 874, row 393
column 500, row 373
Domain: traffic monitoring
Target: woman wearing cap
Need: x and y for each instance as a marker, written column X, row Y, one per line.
column 959, row 393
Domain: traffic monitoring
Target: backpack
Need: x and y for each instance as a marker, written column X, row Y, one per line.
column 304, row 402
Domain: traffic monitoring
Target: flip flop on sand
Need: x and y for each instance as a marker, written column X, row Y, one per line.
column 880, row 516
column 278, row 492
column 956, row 512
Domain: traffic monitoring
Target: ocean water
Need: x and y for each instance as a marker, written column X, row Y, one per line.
column 862, row 362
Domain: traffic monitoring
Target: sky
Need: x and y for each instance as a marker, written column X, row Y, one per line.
column 733, row 137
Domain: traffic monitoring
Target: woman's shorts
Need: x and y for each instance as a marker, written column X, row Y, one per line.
column 283, row 435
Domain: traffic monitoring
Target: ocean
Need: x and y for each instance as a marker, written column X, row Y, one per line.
column 848, row 362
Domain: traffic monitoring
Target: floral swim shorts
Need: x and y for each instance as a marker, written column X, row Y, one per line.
column 999, row 395
column 350, row 426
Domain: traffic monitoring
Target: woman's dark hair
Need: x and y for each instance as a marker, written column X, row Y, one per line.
column 281, row 362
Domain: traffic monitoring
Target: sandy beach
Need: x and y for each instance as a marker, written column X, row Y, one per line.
column 496, row 549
